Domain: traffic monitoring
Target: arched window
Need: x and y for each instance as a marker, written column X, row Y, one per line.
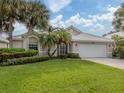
column 33, row 43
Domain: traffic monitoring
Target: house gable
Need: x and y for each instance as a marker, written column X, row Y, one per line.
column 73, row 30
column 79, row 36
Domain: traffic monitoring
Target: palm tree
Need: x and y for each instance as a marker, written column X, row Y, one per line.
column 53, row 38
column 10, row 12
column 36, row 16
column 63, row 38
column 48, row 40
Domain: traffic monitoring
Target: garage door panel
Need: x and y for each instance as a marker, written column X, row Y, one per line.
column 92, row 50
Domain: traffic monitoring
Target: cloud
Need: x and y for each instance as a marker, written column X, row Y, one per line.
column 98, row 27
column 91, row 20
column 108, row 16
column 112, row 9
column 57, row 5
column 19, row 28
column 73, row 20
column 78, row 20
column 57, row 22
column 93, row 23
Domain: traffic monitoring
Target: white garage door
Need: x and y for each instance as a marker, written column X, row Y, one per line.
column 92, row 50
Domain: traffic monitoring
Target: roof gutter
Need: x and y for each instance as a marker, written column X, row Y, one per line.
column 93, row 41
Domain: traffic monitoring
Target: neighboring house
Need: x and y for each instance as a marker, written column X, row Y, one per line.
column 3, row 42
column 109, row 35
column 86, row 45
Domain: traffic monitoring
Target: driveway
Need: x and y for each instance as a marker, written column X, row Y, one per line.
column 118, row 63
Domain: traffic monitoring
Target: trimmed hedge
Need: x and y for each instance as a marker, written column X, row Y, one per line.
column 5, row 56
column 63, row 56
column 73, row 55
column 69, row 55
column 11, row 50
column 122, row 53
column 24, row 60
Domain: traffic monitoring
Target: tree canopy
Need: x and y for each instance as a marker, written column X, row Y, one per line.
column 37, row 16
column 118, row 21
column 11, row 10
column 54, row 37
column 31, row 12
column 119, row 44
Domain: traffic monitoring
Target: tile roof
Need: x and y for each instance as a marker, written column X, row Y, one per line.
column 85, row 37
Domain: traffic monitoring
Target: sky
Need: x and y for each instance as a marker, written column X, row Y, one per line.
column 90, row 16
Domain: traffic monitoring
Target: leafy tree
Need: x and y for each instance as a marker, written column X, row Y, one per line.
column 119, row 43
column 11, row 10
column 118, row 21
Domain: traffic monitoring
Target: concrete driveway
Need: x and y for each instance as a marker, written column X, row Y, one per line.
column 118, row 63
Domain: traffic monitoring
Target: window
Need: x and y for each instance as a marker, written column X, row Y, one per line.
column 33, row 43
column 63, row 49
column 33, row 46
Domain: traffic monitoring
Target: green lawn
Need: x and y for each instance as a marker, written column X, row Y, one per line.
column 61, row 76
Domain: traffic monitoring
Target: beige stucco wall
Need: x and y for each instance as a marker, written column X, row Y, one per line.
column 24, row 43
column 18, row 44
column 3, row 45
column 110, row 49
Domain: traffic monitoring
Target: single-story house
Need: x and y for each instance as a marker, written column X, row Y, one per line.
column 86, row 45
column 3, row 42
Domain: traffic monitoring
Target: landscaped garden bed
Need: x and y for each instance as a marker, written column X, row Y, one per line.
column 14, row 56
column 26, row 60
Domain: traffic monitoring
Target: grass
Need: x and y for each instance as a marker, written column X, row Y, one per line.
column 61, row 76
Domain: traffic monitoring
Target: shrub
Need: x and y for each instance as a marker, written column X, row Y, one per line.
column 29, row 53
column 73, row 55
column 24, row 60
column 63, row 56
column 11, row 50
column 116, row 51
column 32, row 52
column 122, row 53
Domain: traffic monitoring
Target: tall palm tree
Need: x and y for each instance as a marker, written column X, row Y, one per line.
column 10, row 12
column 37, row 16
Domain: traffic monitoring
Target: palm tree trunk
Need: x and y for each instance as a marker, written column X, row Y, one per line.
column 54, row 52
column 66, row 48
column 10, row 32
column 30, row 29
column 58, row 51
column 49, row 54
